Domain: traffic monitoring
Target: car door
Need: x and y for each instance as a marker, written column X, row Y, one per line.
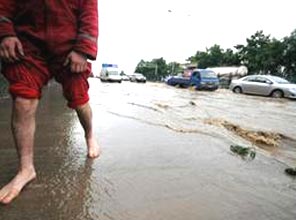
column 247, row 84
column 195, row 78
column 262, row 86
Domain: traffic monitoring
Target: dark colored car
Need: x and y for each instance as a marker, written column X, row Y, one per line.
column 199, row 78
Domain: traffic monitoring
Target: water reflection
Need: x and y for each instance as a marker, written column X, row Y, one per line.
column 64, row 173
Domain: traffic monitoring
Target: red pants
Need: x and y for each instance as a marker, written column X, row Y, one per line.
column 28, row 76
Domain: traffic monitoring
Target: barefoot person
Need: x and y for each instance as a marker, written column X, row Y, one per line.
column 40, row 40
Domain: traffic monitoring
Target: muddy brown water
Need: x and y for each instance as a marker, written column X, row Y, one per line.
column 161, row 159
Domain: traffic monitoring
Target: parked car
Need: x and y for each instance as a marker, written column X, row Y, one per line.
column 124, row 77
column 111, row 76
column 199, row 78
column 266, row 85
column 137, row 77
column 110, row 73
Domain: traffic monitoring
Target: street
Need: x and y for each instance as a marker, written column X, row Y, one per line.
column 166, row 155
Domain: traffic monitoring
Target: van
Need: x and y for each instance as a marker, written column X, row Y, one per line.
column 110, row 73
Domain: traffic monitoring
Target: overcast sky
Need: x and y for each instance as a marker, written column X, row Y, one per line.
column 131, row 30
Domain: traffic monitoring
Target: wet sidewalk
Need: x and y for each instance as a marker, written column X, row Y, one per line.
column 145, row 172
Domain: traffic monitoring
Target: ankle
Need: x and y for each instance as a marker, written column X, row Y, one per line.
column 27, row 171
column 89, row 136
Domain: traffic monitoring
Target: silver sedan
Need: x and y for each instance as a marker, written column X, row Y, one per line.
column 266, row 85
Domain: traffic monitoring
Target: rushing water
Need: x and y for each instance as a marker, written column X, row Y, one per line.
column 161, row 159
column 187, row 111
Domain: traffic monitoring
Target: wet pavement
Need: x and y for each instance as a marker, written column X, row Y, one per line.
column 165, row 156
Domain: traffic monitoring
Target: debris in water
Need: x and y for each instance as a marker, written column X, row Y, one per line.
column 260, row 138
column 192, row 103
column 165, row 106
column 291, row 171
column 243, row 151
column 144, row 106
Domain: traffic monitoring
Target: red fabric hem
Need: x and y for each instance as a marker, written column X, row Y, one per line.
column 21, row 91
column 75, row 104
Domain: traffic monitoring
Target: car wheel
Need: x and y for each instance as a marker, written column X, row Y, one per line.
column 237, row 90
column 277, row 94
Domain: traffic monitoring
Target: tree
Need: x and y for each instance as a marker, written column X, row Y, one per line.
column 174, row 68
column 215, row 56
column 261, row 54
column 154, row 70
column 200, row 57
column 289, row 56
column 230, row 58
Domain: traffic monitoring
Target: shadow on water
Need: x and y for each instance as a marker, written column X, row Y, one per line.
column 3, row 86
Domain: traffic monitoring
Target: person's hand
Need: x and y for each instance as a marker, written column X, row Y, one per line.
column 77, row 61
column 10, row 49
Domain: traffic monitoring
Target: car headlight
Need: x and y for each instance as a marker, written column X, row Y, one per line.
column 202, row 83
column 293, row 90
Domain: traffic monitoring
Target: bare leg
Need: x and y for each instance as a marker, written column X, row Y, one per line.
column 85, row 117
column 23, row 129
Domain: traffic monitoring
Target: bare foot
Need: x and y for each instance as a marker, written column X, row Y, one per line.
column 15, row 186
column 93, row 148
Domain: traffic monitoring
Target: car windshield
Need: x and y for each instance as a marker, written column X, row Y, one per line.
column 113, row 73
column 279, row 80
column 208, row 74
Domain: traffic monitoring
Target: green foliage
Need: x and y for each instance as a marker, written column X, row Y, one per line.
column 289, row 56
column 157, row 69
column 174, row 68
column 215, row 56
column 261, row 55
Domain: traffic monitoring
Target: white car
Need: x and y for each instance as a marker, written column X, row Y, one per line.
column 137, row 77
column 266, row 85
column 125, row 77
column 110, row 74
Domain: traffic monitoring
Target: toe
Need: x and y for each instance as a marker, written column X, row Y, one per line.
column 3, row 193
column 10, row 196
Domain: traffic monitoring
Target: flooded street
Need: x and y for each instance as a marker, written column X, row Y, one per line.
column 165, row 156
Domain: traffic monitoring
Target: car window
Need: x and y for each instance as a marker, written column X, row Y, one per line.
column 261, row 79
column 279, row 80
column 249, row 79
column 196, row 74
column 208, row 74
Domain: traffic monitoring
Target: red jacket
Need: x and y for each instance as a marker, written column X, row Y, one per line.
column 64, row 25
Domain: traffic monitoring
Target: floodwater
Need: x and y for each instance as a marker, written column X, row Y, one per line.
column 165, row 156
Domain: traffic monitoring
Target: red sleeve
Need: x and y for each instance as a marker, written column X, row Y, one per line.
column 7, row 9
column 88, row 29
